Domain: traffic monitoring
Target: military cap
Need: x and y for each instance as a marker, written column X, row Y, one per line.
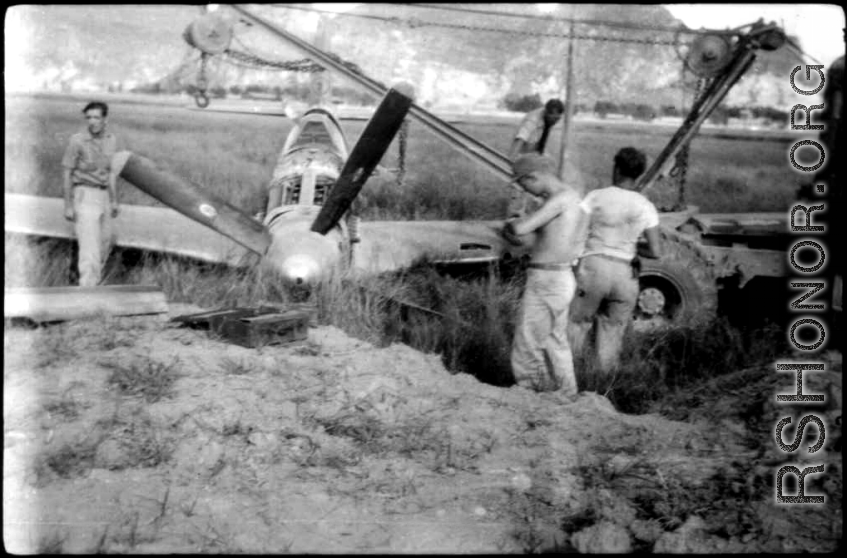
column 532, row 162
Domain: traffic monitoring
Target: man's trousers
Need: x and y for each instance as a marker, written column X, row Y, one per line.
column 607, row 291
column 541, row 355
column 93, row 226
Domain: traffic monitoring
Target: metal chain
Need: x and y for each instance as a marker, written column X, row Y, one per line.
column 681, row 164
column 402, row 144
column 680, row 170
column 201, row 98
column 254, row 61
column 250, row 59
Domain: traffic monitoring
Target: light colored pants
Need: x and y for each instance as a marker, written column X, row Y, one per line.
column 93, row 226
column 606, row 295
column 541, row 356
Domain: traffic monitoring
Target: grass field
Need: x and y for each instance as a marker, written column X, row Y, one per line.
column 233, row 155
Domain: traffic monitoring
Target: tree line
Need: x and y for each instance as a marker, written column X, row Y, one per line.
column 647, row 112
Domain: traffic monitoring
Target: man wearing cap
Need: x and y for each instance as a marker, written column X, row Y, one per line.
column 607, row 275
column 541, row 356
column 91, row 200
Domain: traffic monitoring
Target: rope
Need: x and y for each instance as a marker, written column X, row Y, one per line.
column 796, row 50
column 606, row 23
column 414, row 23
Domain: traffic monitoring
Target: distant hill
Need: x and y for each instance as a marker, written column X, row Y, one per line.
column 450, row 56
column 527, row 61
column 97, row 43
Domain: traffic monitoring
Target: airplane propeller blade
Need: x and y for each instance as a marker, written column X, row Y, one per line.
column 364, row 157
column 192, row 201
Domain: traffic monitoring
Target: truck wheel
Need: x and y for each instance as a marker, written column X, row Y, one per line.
column 677, row 288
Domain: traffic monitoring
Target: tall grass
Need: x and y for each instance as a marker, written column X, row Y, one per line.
column 659, row 364
column 468, row 320
column 37, row 262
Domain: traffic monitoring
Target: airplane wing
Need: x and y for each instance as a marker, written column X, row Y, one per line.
column 385, row 245
column 391, row 245
column 148, row 228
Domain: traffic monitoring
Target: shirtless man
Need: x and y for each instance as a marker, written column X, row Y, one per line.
column 541, row 356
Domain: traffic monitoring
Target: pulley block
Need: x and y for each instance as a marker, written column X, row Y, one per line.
column 209, row 33
column 708, row 55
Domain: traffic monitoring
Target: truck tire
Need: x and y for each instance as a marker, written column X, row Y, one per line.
column 677, row 288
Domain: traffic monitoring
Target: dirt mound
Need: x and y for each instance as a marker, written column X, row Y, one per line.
column 135, row 435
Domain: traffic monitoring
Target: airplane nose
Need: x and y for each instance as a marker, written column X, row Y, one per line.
column 300, row 270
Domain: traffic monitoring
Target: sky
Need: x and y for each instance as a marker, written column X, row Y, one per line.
column 819, row 26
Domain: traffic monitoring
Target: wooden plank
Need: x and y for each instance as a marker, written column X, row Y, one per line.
column 49, row 304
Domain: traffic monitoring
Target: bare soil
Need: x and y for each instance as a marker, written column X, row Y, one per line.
column 136, row 435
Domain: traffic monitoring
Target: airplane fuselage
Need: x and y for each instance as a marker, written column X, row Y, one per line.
column 308, row 166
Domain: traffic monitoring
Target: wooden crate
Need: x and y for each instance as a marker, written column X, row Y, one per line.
column 252, row 327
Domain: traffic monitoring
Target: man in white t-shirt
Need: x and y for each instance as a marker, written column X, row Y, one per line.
column 607, row 275
column 535, row 127
column 531, row 137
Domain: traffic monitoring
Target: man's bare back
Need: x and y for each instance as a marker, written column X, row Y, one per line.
column 560, row 225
